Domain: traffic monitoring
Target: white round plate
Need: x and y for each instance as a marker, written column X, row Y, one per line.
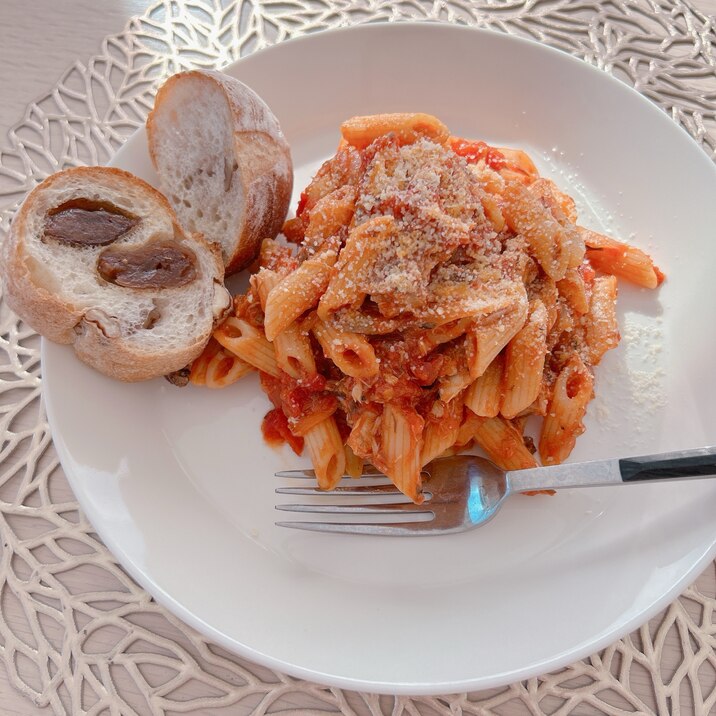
column 180, row 486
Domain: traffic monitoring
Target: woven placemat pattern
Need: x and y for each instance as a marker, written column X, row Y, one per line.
column 59, row 656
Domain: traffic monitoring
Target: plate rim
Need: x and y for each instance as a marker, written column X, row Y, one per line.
column 381, row 687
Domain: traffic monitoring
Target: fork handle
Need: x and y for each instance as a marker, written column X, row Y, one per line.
column 683, row 464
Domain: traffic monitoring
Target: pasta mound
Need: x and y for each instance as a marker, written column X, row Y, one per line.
column 441, row 291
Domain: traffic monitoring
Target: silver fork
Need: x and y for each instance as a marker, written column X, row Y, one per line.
column 466, row 491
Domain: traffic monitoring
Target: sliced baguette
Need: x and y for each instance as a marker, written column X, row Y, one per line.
column 222, row 160
column 125, row 332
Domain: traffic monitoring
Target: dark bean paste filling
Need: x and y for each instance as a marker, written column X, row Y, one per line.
column 85, row 222
column 157, row 264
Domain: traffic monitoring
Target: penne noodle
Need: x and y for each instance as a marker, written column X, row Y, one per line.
column 441, row 429
column 493, row 212
column 564, row 211
column 354, row 464
column 484, row 342
column 461, row 305
column 351, row 352
column 524, row 363
column 294, row 354
column 574, row 291
column 329, row 218
column 263, row 282
column 406, row 127
column 456, row 449
column 225, row 369
column 216, row 367
column 503, row 443
column 563, row 424
column 401, row 429
column 360, row 250
column 628, row 262
column 545, row 290
column 469, row 424
column 344, row 168
column 325, row 448
column 602, row 331
column 331, row 213
column 490, row 180
column 484, row 395
column 549, row 242
column 248, row 343
column 520, row 160
column 431, row 338
column 197, row 371
column 297, row 293
column 562, row 206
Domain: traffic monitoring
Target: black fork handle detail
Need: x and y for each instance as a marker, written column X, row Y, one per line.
column 668, row 467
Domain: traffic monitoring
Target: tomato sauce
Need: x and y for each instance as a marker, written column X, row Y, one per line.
column 276, row 431
column 473, row 152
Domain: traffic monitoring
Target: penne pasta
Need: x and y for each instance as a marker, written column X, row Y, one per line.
column 354, row 464
column 345, row 168
column 294, row 354
column 297, row 293
column 503, row 443
column 549, row 241
column 601, row 330
column 516, row 159
column 430, row 339
column 574, row 291
column 441, row 429
column 484, row 342
column 325, row 448
column 546, row 291
column 524, row 363
column 351, row 352
column 359, row 251
column 470, row 423
column 406, row 127
column 216, row 367
column 562, row 206
column 572, row 392
column 484, row 395
column 329, row 218
column 277, row 257
column 248, row 343
column 622, row 260
column 401, row 429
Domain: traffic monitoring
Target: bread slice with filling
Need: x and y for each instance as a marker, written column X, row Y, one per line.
column 222, row 160
column 96, row 258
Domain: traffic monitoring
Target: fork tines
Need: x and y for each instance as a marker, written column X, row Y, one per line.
column 370, row 509
column 368, row 471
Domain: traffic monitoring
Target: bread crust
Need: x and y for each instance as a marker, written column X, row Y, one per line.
column 28, row 286
column 117, row 360
column 260, row 150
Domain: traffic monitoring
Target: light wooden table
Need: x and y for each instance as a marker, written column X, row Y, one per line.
column 33, row 56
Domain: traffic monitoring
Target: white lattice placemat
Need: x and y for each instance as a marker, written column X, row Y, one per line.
column 112, row 649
